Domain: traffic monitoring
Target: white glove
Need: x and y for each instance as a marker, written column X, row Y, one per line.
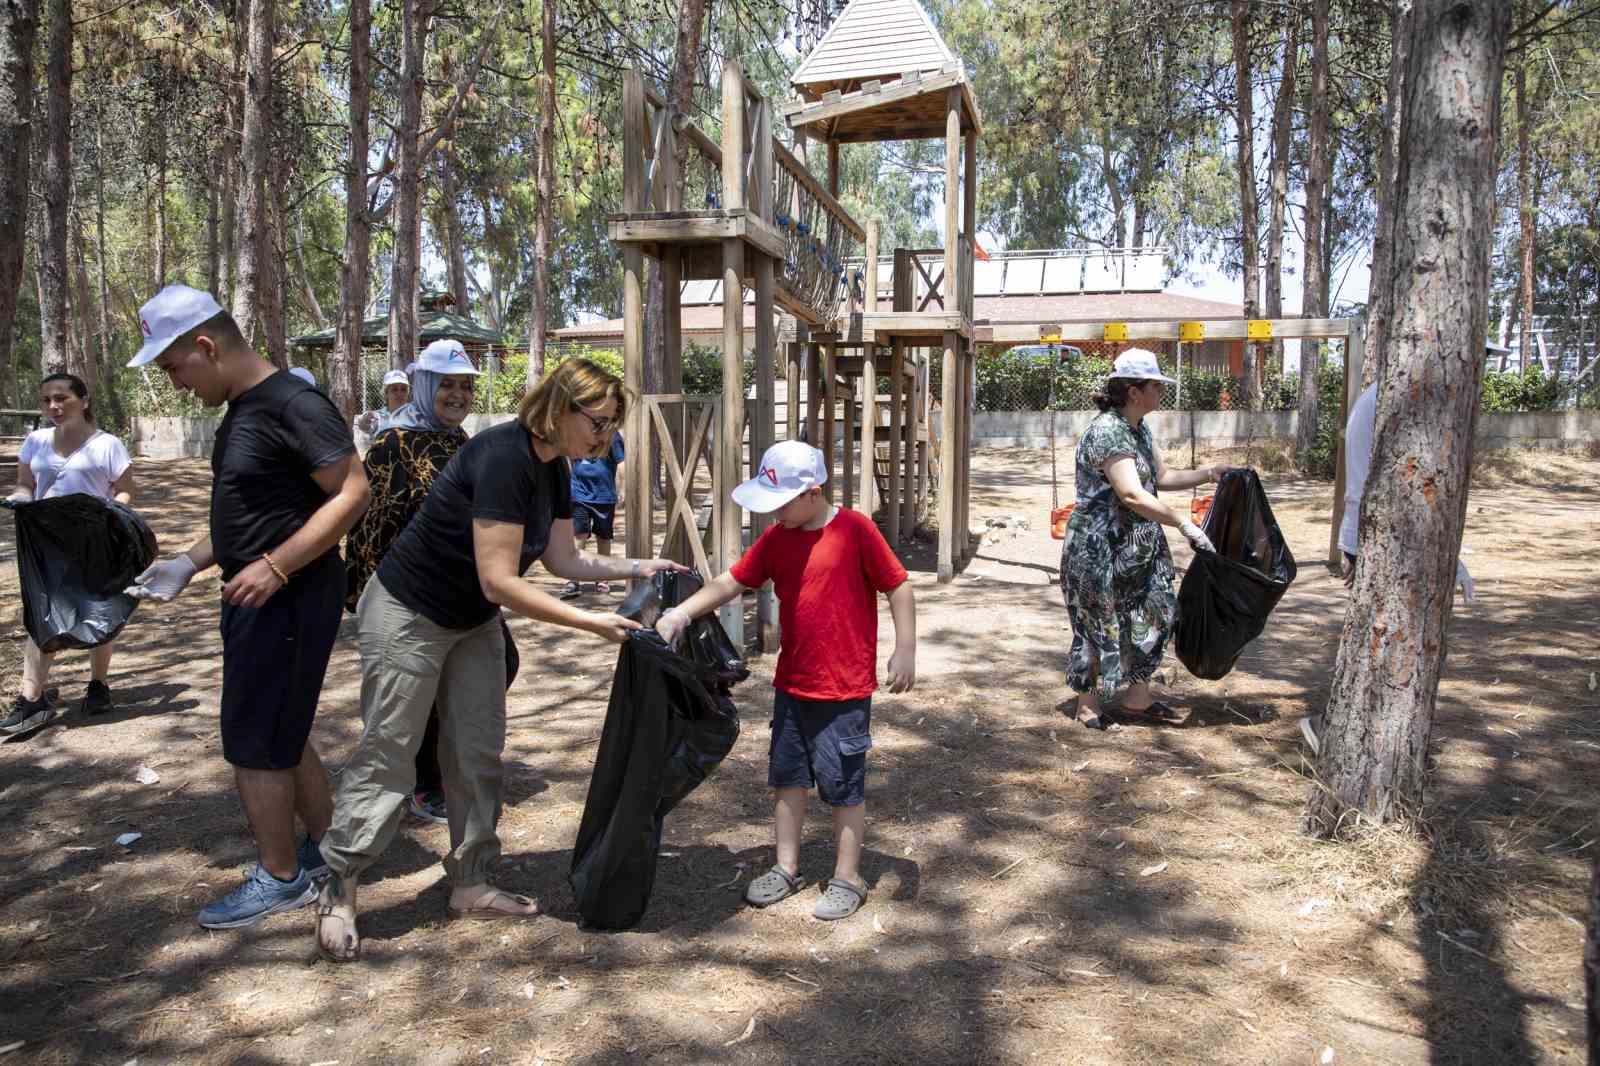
column 20, row 496
column 671, row 624
column 1195, row 536
column 1469, row 587
column 163, row 579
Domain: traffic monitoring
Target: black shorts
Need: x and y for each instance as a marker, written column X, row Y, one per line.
column 273, row 661
column 596, row 518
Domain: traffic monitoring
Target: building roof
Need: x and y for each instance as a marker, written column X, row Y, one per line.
column 704, row 321
column 431, row 326
column 872, row 39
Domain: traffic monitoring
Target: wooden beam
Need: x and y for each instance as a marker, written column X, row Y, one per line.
column 733, row 145
column 947, row 460
column 964, row 456
column 910, row 392
column 637, row 510
column 807, row 113
column 763, row 432
column 696, row 227
column 1226, row 329
column 952, row 201
column 830, row 390
column 896, row 425
column 869, row 427
column 849, row 443
column 729, row 470
column 969, row 223
column 869, row 292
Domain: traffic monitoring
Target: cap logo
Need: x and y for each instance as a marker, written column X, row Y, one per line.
column 771, row 474
column 144, row 327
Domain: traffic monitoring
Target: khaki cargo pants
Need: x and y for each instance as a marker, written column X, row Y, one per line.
column 407, row 663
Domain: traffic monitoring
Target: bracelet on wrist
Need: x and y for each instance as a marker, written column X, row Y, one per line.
column 276, row 569
column 634, row 569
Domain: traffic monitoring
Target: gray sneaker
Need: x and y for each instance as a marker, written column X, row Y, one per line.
column 27, row 716
column 260, row 895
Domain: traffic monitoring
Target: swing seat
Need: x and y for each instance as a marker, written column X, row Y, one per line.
column 1058, row 521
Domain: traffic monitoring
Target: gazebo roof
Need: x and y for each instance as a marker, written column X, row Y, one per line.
column 431, row 326
column 881, row 72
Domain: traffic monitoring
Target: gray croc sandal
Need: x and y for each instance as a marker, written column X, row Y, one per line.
column 840, row 899
column 770, row 887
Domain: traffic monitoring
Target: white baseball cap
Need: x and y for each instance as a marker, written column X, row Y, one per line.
column 168, row 315
column 396, row 377
column 303, row 374
column 1139, row 364
column 444, row 357
column 787, row 469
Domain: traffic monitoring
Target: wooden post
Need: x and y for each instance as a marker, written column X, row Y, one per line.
column 896, row 424
column 763, row 433
column 637, row 512
column 869, row 298
column 947, row 455
column 849, row 464
column 793, row 351
column 924, row 436
column 869, row 426
column 952, row 199
column 730, row 443
column 969, row 222
column 814, row 394
column 908, row 478
column 830, row 391
column 964, row 455
column 833, row 169
column 1355, row 351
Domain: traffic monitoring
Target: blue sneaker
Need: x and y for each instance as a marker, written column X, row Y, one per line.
column 311, row 860
column 260, row 895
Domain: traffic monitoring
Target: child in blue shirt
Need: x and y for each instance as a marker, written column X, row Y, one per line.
column 594, row 505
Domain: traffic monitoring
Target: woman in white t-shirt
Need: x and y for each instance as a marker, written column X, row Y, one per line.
column 74, row 455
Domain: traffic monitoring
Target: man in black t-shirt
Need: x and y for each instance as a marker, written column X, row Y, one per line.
column 286, row 487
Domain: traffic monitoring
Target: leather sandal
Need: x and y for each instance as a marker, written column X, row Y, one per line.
column 487, row 908
column 336, row 903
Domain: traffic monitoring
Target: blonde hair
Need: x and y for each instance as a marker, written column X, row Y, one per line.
column 574, row 384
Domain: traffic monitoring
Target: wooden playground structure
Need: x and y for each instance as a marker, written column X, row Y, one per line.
column 746, row 209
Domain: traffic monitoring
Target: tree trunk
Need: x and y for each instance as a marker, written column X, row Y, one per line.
column 88, row 362
column 19, row 25
column 106, row 368
column 313, row 305
column 1282, row 128
column 250, row 229
column 1526, row 216
column 407, row 228
column 53, row 273
column 1249, row 220
column 1380, row 302
column 160, row 250
column 213, row 245
column 455, row 242
column 1119, row 209
column 1319, row 160
column 344, row 364
column 539, row 326
column 274, row 271
column 1374, row 754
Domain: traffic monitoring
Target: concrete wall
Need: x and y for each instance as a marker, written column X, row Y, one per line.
column 175, row 437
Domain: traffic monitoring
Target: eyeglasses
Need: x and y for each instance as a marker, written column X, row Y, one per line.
column 599, row 425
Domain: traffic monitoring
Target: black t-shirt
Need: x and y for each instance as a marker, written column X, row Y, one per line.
column 495, row 476
column 262, row 491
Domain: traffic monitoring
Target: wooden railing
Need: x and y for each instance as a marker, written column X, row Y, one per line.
column 679, row 169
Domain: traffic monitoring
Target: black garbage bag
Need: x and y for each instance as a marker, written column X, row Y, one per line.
column 669, row 724
column 75, row 555
column 1226, row 597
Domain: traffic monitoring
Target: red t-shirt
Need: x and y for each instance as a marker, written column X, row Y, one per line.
column 827, row 581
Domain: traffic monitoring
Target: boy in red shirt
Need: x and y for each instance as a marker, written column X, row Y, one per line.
column 827, row 565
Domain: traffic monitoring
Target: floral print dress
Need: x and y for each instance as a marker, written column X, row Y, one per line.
column 401, row 466
column 1116, row 570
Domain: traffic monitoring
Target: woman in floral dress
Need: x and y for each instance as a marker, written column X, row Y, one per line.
column 1116, row 570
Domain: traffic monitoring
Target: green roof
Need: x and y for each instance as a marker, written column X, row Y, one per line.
column 431, row 326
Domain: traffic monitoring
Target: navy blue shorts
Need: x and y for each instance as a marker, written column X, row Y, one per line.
column 596, row 518
column 273, row 660
column 821, row 744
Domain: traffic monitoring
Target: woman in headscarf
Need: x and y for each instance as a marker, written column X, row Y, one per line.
column 1116, row 569
column 414, row 444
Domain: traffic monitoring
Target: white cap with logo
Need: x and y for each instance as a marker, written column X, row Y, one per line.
column 168, row 315
column 396, row 377
column 1139, row 364
column 787, row 469
column 444, row 357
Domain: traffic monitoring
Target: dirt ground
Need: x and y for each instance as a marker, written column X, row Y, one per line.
column 1039, row 893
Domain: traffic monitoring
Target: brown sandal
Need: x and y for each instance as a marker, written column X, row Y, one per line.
column 1156, row 712
column 346, row 947
column 485, row 909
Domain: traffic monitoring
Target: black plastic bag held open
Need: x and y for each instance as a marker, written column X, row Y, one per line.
column 1226, row 597
column 669, row 724
column 75, row 555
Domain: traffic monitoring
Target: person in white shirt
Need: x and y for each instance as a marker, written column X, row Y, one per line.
column 72, row 455
column 1358, row 432
column 396, row 394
